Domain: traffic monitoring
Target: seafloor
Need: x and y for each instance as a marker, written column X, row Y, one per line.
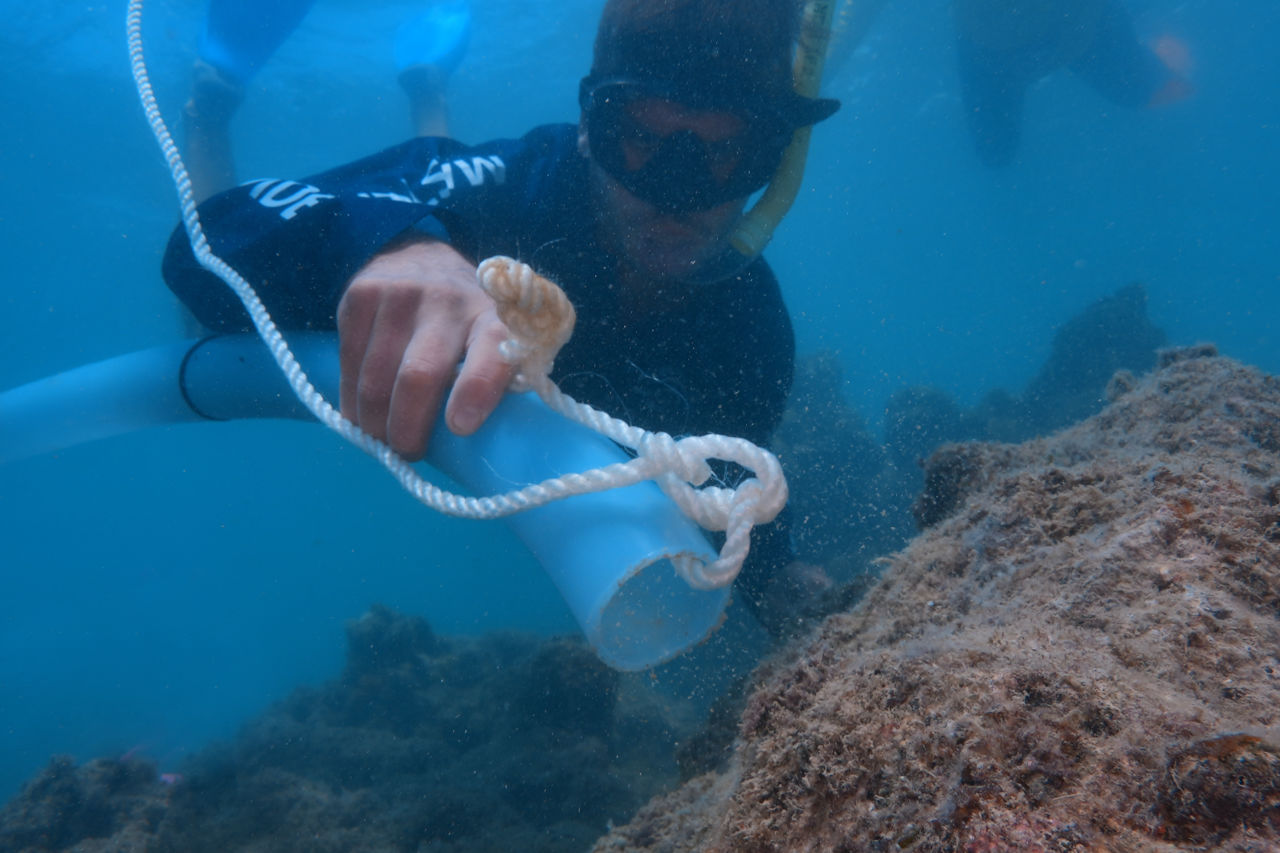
column 1081, row 651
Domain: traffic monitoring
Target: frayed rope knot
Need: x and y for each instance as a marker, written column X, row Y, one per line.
column 535, row 311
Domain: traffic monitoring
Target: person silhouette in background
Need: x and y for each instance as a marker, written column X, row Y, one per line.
column 238, row 38
column 1004, row 47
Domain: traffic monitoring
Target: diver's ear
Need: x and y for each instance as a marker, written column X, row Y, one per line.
column 584, row 147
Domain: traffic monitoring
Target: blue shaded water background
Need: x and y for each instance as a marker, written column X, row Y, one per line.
column 158, row 588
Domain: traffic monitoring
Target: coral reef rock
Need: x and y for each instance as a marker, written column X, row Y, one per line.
column 426, row 744
column 1110, row 335
column 1081, row 653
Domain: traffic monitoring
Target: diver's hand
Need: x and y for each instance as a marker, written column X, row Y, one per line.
column 406, row 321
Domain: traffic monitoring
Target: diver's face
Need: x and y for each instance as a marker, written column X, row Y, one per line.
column 658, row 242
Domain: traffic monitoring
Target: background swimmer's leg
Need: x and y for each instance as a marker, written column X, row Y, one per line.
column 1122, row 69
column 992, row 92
column 426, row 87
column 206, row 124
column 237, row 39
column 428, row 48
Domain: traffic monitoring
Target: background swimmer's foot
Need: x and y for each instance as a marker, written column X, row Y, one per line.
column 239, row 36
column 439, row 37
column 215, row 97
column 1175, row 54
column 428, row 48
column 1176, row 89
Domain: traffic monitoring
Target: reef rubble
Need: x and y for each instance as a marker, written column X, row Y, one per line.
column 1080, row 652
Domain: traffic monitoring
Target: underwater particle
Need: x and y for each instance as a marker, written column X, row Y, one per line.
column 917, row 421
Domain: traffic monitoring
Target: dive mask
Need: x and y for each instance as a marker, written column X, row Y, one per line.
column 680, row 172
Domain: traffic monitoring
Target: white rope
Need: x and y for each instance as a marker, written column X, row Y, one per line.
column 541, row 320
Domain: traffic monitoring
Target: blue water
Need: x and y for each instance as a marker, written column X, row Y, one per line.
column 157, row 589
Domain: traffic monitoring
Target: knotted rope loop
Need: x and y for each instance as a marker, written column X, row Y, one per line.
column 540, row 319
column 679, row 458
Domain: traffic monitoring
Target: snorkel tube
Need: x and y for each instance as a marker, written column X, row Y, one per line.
column 755, row 229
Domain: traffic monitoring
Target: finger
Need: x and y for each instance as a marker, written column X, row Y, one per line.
column 483, row 379
column 426, row 371
column 356, row 313
column 392, row 330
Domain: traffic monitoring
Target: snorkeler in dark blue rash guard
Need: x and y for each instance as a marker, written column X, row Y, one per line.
column 684, row 115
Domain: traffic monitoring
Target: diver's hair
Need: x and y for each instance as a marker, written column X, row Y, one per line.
column 720, row 50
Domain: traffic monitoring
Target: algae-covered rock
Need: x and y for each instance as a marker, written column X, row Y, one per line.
column 1081, row 653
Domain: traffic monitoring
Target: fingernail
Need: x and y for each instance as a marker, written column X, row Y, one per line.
column 465, row 421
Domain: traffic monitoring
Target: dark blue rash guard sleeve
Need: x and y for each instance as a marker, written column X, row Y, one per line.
column 299, row 242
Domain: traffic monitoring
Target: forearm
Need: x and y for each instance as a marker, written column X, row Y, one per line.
column 300, row 242
column 296, row 242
